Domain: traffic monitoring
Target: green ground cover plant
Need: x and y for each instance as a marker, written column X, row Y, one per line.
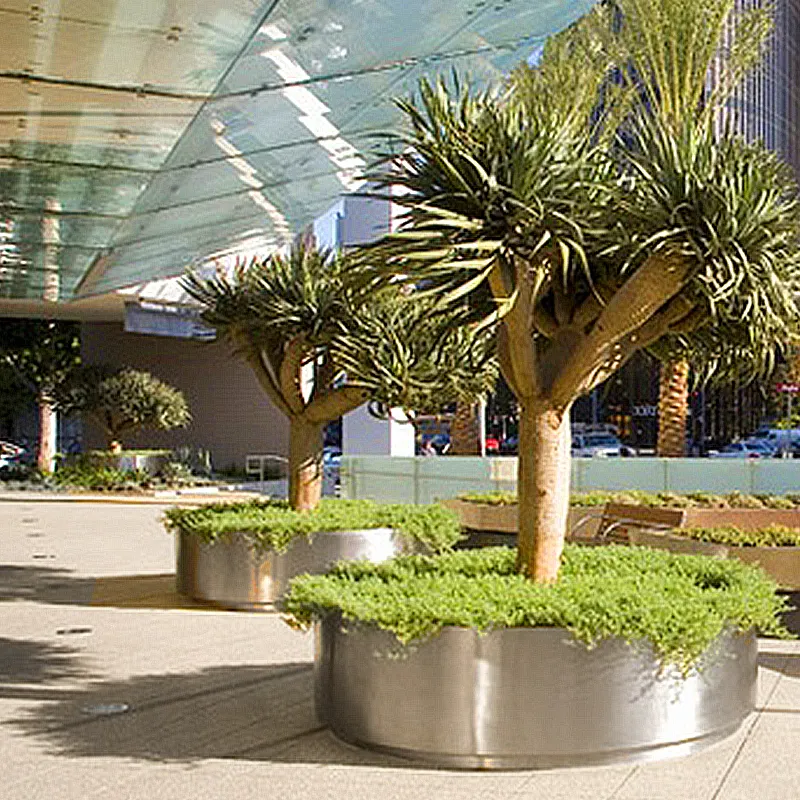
column 654, row 499
column 678, row 603
column 272, row 524
column 771, row 536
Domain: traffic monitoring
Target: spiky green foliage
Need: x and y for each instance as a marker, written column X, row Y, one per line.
column 680, row 604
column 271, row 301
column 406, row 356
column 732, row 208
column 514, row 203
column 375, row 344
column 685, row 59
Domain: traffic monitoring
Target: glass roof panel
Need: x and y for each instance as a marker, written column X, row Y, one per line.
column 157, row 133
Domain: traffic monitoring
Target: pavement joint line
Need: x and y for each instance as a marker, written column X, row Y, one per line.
column 759, row 712
column 624, row 782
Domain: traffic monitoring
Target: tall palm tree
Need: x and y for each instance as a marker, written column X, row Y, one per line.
column 583, row 247
column 707, row 78
column 465, row 431
column 673, row 409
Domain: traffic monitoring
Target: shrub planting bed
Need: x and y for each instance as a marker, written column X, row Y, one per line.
column 497, row 511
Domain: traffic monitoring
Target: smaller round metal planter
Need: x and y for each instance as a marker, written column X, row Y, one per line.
column 526, row 697
column 230, row 574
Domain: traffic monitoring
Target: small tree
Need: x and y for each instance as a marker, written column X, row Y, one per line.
column 44, row 355
column 311, row 332
column 590, row 246
column 125, row 401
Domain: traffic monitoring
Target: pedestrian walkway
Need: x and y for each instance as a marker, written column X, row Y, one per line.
column 111, row 686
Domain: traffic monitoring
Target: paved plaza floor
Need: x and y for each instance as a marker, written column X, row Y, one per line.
column 112, row 687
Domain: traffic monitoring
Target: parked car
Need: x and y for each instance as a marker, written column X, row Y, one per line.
column 331, row 456
column 598, row 444
column 10, row 453
column 749, row 449
column 492, row 445
column 509, row 445
column 779, row 439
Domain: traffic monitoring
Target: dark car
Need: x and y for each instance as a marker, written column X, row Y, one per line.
column 509, row 445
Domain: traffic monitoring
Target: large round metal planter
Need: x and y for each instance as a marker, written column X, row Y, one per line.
column 230, row 574
column 526, row 697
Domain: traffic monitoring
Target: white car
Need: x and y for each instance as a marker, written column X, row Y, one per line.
column 602, row 445
column 10, row 453
column 750, row 449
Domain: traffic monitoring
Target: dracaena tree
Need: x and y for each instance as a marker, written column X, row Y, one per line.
column 321, row 343
column 123, row 401
column 582, row 210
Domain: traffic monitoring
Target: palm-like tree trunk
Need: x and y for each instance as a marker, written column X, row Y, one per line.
column 543, row 480
column 305, row 464
column 673, row 407
column 465, row 431
column 46, row 451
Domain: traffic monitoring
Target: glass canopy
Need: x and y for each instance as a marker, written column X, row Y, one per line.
column 137, row 139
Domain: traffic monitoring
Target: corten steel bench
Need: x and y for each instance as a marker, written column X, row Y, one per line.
column 619, row 518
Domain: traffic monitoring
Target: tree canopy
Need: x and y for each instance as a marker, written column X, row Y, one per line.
column 590, row 223
column 124, row 401
column 322, row 342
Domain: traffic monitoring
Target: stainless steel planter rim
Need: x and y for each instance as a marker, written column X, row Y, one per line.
column 531, row 699
column 232, row 573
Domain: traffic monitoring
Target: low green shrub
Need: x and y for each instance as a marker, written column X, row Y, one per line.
column 679, row 603
column 101, row 479
column 771, row 536
column 271, row 525
column 654, row 499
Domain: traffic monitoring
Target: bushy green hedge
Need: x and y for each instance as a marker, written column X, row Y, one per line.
column 87, row 474
column 101, row 479
column 271, row 525
column 771, row 536
column 654, row 499
column 679, row 603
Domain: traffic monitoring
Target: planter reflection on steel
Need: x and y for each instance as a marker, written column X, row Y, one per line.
column 230, row 574
column 525, row 697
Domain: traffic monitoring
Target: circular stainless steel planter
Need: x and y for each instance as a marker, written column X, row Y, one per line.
column 230, row 574
column 525, row 697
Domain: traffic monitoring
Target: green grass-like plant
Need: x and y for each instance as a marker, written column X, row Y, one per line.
column 272, row 524
column 101, row 479
column 771, row 536
column 678, row 603
column 654, row 499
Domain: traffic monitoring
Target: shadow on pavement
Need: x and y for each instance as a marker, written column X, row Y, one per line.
column 62, row 587
column 32, row 670
column 249, row 713
column 44, row 584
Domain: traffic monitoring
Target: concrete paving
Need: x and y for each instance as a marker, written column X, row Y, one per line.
column 109, row 689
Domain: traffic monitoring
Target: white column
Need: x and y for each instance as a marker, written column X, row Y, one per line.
column 364, row 435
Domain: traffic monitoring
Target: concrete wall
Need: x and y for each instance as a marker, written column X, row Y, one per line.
column 231, row 415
